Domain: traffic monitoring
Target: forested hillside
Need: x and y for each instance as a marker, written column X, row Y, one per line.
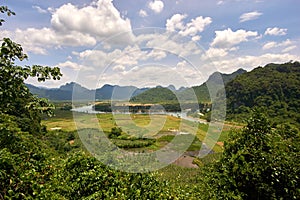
column 155, row 95
column 215, row 81
column 200, row 93
column 274, row 88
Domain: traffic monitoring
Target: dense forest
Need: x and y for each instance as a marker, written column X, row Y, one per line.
column 273, row 88
column 259, row 161
column 196, row 93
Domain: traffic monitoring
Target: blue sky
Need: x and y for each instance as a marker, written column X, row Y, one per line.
column 153, row 42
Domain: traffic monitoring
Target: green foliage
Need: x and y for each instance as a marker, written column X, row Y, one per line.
column 25, row 165
column 274, row 88
column 83, row 177
column 115, row 132
column 258, row 163
column 155, row 95
column 15, row 98
column 133, row 142
column 5, row 9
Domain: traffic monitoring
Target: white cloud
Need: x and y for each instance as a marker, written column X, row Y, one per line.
column 72, row 65
column 269, row 45
column 228, row 38
column 181, row 64
column 99, row 59
column 101, row 19
column 195, row 26
column 249, row 62
column 273, row 44
column 250, row 16
column 168, row 44
column 73, row 26
column 157, row 5
column 143, row 13
column 212, row 53
column 220, row 2
column 175, row 22
column 157, row 54
column 119, row 68
column 38, row 40
column 290, row 48
column 196, row 38
column 276, row 31
column 153, row 75
column 39, row 9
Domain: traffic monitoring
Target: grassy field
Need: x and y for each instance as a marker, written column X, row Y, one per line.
column 159, row 127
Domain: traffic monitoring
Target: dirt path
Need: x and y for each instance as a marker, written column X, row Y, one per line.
column 185, row 161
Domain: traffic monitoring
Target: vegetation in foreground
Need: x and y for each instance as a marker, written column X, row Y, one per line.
column 259, row 162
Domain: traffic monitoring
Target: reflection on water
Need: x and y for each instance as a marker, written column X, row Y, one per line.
column 89, row 109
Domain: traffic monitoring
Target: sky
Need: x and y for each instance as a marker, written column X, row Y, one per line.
column 146, row 43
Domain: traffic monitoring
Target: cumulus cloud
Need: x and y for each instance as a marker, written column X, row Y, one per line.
column 192, row 28
column 212, row 53
column 276, row 31
column 143, row 13
column 38, row 40
column 288, row 45
column 157, row 5
column 196, row 25
column 157, row 54
column 168, row 44
column 129, row 56
column 72, row 65
column 119, row 68
column 101, row 19
column 175, row 22
column 249, row 62
column 228, row 38
column 74, row 26
column 250, row 16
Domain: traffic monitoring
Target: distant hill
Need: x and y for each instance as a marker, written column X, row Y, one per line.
column 116, row 92
column 65, row 92
column 274, row 88
column 160, row 94
column 215, row 81
column 155, row 95
column 62, row 93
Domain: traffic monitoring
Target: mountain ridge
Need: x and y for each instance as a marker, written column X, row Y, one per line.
column 73, row 90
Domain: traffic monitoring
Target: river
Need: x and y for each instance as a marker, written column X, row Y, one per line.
column 183, row 115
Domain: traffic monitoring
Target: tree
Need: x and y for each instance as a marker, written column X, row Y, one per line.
column 115, row 132
column 24, row 164
column 29, row 167
column 4, row 9
column 15, row 97
column 259, row 162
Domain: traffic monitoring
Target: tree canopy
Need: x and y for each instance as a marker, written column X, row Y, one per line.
column 274, row 88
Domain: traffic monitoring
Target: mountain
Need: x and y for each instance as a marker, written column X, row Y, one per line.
column 196, row 93
column 116, row 92
column 64, row 92
column 215, row 81
column 274, row 88
column 155, row 95
column 77, row 92
column 74, row 90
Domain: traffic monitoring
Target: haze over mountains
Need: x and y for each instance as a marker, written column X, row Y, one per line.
column 106, row 92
